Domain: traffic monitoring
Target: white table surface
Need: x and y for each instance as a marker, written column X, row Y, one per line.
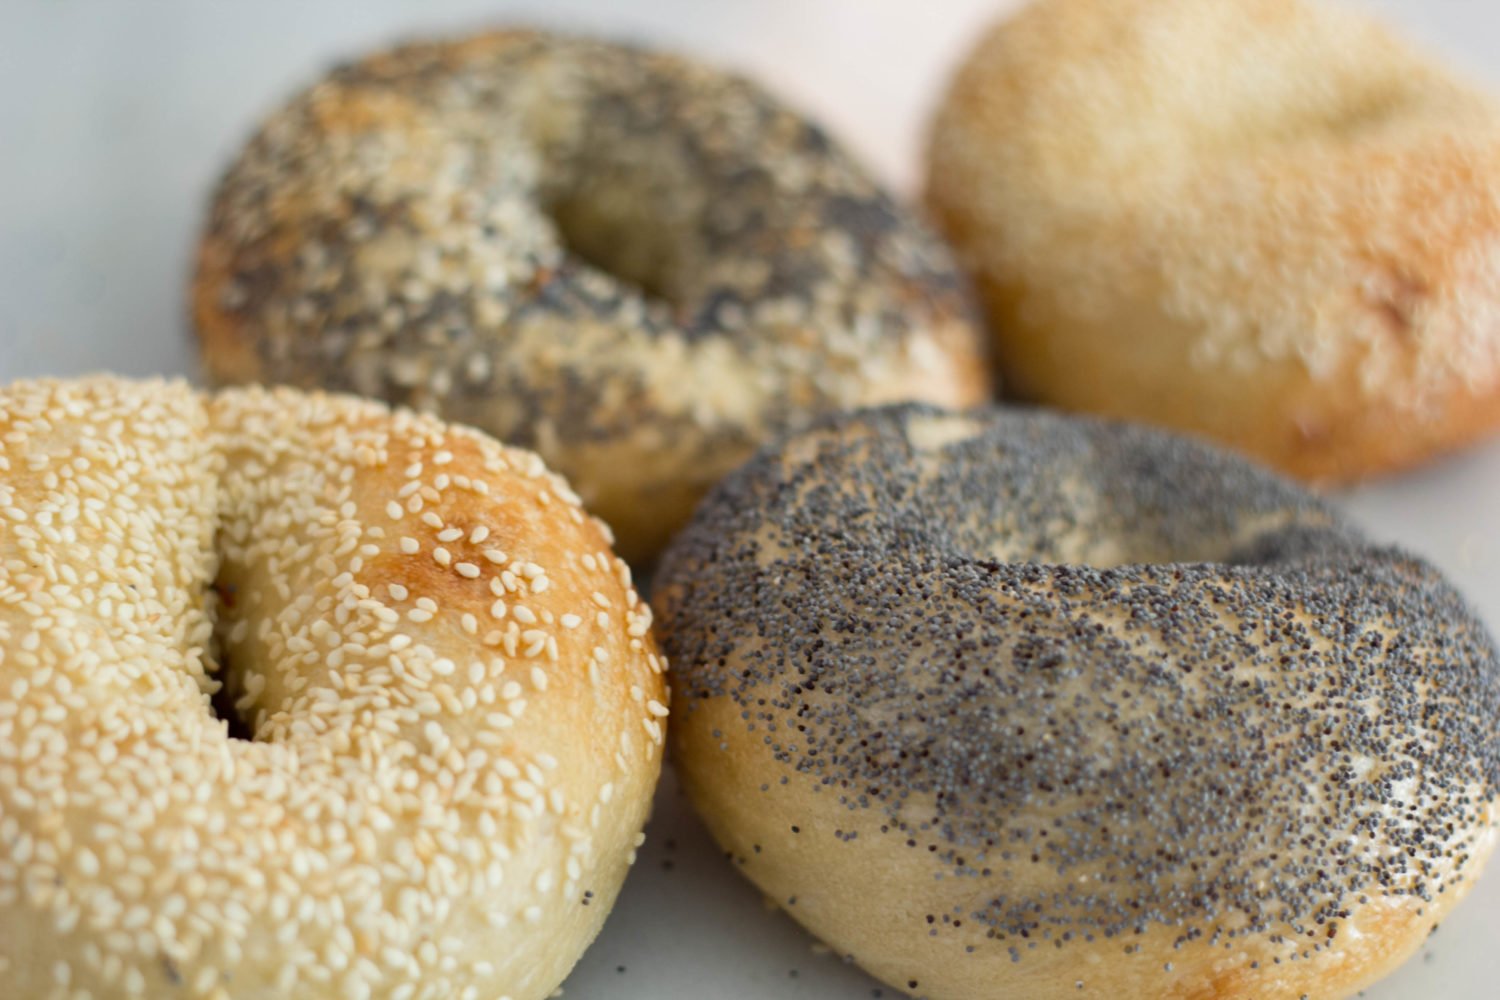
column 116, row 117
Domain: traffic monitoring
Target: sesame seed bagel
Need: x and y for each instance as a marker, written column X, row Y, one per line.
column 638, row 266
column 1002, row 704
column 449, row 706
column 1266, row 222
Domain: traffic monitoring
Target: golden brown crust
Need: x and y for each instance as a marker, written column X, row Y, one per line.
column 453, row 709
column 1266, row 222
column 638, row 266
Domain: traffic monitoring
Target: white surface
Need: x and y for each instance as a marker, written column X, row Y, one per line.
column 116, row 117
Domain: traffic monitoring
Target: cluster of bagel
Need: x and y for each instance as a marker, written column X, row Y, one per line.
column 304, row 694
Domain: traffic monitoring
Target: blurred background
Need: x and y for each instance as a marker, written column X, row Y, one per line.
column 116, row 119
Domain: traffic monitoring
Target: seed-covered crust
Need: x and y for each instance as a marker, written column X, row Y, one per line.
column 1268, row 222
column 1005, row 704
column 452, row 707
column 636, row 265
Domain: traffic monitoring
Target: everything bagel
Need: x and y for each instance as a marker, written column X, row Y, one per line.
column 636, row 265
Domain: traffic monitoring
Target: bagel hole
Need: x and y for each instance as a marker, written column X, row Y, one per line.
column 614, row 233
column 633, row 210
column 221, row 702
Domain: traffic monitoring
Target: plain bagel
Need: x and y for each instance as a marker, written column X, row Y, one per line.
column 638, row 266
column 1267, row 222
column 1015, row 705
column 440, row 712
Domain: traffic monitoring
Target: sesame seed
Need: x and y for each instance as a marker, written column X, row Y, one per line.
column 267, row 523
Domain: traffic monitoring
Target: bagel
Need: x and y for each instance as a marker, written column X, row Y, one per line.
column 1266, row 222
column 1003, row 704
column 636, row 265
column 439, row 706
